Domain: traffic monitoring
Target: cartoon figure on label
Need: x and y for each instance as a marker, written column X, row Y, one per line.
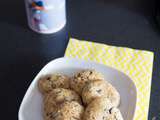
column 38, row 13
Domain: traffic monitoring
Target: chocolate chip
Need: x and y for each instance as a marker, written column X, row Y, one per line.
column 110, row 110
column 48, row 78
column 90, row 73
column 99, row 91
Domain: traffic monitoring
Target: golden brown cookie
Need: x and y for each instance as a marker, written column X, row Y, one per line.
column 80, row 79
column 97, row 109
column 49, row 82
column 67, row 111
column 59, row 95
column 70, row 111
column 99, row 88
column 55, row 98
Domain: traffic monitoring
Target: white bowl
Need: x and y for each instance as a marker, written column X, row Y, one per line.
column 32, row 108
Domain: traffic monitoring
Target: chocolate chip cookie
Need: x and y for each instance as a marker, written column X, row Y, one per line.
column 80, row 79
column 49, row 82
column 100, row 88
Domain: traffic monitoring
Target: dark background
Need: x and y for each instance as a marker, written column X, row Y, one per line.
column 128, row 23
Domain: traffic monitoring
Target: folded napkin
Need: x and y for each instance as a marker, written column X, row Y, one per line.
column 135, row 63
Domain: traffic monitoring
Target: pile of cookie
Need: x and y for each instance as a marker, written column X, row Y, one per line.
column 84, row 96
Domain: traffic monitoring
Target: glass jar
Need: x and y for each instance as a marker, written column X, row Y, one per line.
column 46, row 16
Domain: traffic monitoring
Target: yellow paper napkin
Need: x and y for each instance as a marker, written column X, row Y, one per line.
column 135, row 63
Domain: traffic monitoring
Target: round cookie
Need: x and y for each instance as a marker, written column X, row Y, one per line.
column 99, row 88
column 81, row 78
column 68, row 111
column 58, row 96
column 114, row 114
column 92, row 90
column 97, row 109
column 49, row 82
